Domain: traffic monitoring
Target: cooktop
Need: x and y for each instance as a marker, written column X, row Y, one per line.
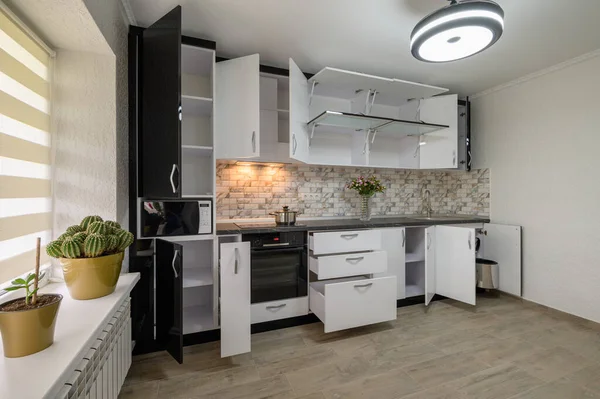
column 265, row 225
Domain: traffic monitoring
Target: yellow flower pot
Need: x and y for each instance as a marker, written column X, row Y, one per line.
column 90, row 278
column 26, row 332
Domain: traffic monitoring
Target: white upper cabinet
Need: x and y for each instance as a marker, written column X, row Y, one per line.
column 439, row 149
column 455, row 263
column 237, row 108
column 298, row 113
column 502, row 244
column 347, row 118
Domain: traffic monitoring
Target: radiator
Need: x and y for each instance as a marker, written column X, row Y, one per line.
column 102, row 371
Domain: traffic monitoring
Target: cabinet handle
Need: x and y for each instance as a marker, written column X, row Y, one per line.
column 281, row 244
column 428, row 240
column 357, row 259
column 349, row 236
column 253, row 141
column 274, row 307
column 403, row 238
column 171, row 178
column 235, row 265
column 469, row 240
column 294, row 144
column 454, row 158
column 173, row 263
column 362, row 285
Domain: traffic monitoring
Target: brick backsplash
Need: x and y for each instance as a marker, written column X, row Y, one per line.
column 254, row 191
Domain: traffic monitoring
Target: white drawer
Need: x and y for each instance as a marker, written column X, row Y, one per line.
column 345, row 241
column 276, row 310
column 353, row 302
column 332, row 266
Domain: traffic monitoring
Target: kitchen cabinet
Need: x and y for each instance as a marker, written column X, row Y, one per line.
column 169, row 298
column 237, row 108
column 176, row 157
column 346, row 288
column 393, row 243
column 160, row 166
column 347, row 118
column 235, row 298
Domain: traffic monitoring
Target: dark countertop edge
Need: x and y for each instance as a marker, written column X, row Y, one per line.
column 345, row 224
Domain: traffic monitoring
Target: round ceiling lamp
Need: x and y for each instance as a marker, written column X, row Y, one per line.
column 457, row 31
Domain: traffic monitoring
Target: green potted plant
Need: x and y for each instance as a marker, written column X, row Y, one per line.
column 27, row 323
column 366, row 187
column 91, row 255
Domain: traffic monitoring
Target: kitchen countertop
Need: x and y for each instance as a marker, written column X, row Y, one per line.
column 340, row 224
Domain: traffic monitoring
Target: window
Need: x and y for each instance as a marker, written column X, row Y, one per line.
column 25, row 157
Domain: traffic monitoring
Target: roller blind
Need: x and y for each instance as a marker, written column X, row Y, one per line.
column 25, row 157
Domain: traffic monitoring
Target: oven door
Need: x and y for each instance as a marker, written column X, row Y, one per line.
column 278, row 274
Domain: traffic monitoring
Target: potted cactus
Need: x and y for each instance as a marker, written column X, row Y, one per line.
column 91, row 255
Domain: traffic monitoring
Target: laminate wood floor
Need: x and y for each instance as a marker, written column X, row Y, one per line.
column 502, row 348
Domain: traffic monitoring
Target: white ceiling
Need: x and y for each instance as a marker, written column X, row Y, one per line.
column 373, row 36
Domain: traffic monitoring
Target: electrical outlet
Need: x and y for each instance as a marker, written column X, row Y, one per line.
column 310, row 196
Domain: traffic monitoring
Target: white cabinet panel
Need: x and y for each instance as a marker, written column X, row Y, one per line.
column 353, row 302
column 429, row 264
column 237, row 108
column 455, row 263
column 503, row 244
column 440, row 148
column 277, row 310
column 393, row 243
column 299, row 98
column 235, row 298
column 353, row 264
column 345, row 241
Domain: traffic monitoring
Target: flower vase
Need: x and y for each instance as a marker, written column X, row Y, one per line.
column 365, row 207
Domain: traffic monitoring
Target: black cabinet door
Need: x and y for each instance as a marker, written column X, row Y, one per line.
column 169, row 298
column 161, row 108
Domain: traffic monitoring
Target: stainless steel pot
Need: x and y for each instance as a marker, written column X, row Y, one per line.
column 285, row 216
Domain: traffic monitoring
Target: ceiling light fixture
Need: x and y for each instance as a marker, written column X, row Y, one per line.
column 457, row 31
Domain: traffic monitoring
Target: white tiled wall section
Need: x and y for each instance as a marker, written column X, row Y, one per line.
column 318, row 191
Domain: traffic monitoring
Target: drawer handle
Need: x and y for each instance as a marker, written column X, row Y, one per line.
column 349, row 236
column 275, row 307
column 357, row 259
column 363, row 285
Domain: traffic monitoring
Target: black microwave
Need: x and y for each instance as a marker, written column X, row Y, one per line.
column 175, row 218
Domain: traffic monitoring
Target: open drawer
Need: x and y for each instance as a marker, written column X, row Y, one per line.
column 353, row 302
column 353, row 264
column 345, row 241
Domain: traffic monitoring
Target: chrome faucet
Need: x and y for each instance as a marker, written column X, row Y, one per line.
column 427, row 203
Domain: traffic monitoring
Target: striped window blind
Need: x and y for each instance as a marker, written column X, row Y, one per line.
column 25, row 157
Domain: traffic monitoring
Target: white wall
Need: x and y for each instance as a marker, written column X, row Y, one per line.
column 541, row 141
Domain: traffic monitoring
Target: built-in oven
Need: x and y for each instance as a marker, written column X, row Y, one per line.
column 278, row 265
column 175, row 218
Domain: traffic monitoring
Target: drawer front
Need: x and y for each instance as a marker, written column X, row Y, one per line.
column 276, row 310
column 333, row 266
column 345, row 241
column 357, row 303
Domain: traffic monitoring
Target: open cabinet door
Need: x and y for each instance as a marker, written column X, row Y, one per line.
column 235, row 298
column 440, row 148
column 237, row 108
column 169, row 297
column 429, row 264
column 298, row 114
column 160, row 136
column 502, row 243
column 455, row 263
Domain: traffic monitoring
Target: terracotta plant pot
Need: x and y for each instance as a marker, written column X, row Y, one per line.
column 25, row 332
column 90, row 278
